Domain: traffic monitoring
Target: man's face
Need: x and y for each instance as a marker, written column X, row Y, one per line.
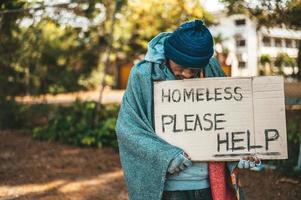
column 181, row 72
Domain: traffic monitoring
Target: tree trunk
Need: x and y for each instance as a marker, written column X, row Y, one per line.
column 106, row 66
column 298, row 167
column 299, row 60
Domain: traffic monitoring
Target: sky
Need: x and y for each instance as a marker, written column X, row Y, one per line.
column 212, row 5
column 69, row 18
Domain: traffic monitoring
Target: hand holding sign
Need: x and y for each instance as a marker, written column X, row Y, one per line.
column 248, row 162
column 179, row 163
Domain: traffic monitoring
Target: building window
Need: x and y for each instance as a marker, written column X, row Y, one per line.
column 266, row 41
column 288, row 43
column 278, row 42
column 240, row 22
column 295, row 43
column 239, row 56
column 240, row 43
column 242, row 64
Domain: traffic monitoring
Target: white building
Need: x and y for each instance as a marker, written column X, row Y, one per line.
column 246, row 44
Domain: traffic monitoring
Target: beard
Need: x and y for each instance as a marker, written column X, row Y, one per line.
column 179, row 77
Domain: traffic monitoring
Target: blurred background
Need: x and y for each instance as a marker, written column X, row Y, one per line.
column 64, row 65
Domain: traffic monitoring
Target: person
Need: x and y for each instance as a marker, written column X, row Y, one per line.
column 153, row 168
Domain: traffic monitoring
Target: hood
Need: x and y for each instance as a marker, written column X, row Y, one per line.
column 155, row 49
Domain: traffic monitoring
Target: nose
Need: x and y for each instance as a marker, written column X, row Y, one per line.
column 187, row 73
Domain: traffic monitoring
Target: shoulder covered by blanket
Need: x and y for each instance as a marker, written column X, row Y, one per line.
column 144, row 156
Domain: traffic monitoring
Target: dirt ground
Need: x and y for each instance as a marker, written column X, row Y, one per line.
column 41, row 170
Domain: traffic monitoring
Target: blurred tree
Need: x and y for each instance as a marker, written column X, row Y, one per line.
column 271, row 13
column 60, row 47
column 140, row 21
column 284, row 60
column 55, row 57
column 45, row 49
column 219, row 39
column 10, row 74
column 117, row 7
column 134, row 23
column 48, row 48
column 265, row 61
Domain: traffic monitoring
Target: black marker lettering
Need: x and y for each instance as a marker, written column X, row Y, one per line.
column 188, row 95
column 239, row 98
column 164, row 122
column 186, row 122
column 174, row 95
column 219, row 141
column 234, row 140
column 209, row 121
column 268, row 138
column 249, row 146
column 216, row 121
column 199, row 94
column 166, row 95
column 175, row 125
column 217, row 94
column 208, row 98
column 226, row 90
column 197, row 123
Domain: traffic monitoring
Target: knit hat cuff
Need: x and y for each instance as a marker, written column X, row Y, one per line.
column 184, row 59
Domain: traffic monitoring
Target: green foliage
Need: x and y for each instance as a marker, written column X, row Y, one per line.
column 74, row 125
column 53, row 59
column 14, row 115
column 268, row 12
column 42, row 55
column 265, row 59
column 283, row 59
column 139, row 21
column 8, row 115
column 46, row 55
column 9, row 42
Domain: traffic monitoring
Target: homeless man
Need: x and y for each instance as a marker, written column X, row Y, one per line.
column 153, row 168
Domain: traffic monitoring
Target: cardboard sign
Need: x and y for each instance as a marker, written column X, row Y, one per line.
column 223, row 118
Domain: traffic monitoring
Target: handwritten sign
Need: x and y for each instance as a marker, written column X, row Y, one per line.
column 223, row 118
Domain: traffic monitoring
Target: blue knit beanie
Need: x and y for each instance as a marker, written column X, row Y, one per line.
column 191, row 45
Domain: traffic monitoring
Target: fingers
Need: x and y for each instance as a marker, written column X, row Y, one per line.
column 248, row 162
column 181, row 167
column 254, row 159
column 186, row 155
column 187, row 163
column 244, row 164
column 257, row 160
column 171, row 171
column 179, row 163
column 252, row 164
column 240, row 164
column 250, row 158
